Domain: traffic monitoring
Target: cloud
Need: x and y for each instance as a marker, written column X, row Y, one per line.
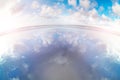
column 72, row 2
column 9, row 7
column 35, row 5
column 17, row 8
column 85, row 17
column 4, row 3
column 8, row 3
column 83, row 57
column 79, row 45
column 48, row 11
column 36, row 13
column 116, row 9
column 54, row 15
column 85, row 4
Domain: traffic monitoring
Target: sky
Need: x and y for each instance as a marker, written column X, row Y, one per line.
column 53, row 54
column 98, row 13
column 20, row 13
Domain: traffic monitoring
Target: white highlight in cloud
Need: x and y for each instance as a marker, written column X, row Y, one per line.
column 47, row 11
column 85, row 3
column 72, row 2
column 7, row 9
column 116, row 9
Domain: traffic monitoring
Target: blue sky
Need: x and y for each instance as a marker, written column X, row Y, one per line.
column 106, row 4
column 17, row 13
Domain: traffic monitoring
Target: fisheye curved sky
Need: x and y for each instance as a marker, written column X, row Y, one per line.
column 99, row 13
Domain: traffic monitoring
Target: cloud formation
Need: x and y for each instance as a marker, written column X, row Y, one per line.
column 73, row 12
column 116, row 9
column 72, row 2
column 35, row 5
column 55, row 54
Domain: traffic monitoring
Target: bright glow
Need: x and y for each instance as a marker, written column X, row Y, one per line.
column 5, row 42
column 113, row 47
column 7, row 22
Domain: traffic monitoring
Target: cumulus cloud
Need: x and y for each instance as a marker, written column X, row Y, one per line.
column 85, row 17
column 116, row 9
column 85, row 3
column 36, row 13
column 72, row 2
column 54, row 15
column 48, row 11
column 35, row 5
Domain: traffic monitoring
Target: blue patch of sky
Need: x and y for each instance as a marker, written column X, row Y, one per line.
column 106, row 4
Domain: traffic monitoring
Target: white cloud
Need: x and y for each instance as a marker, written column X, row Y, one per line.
column 8, row 7
column 85, row 17
column 17, row 8
column 35, row 5
column 54, row 14
column 85, row 3
column 116, row 9
column 6, row 3
column 93, row 13
column 7, row 19
column 72, row 2
column 105, row 18
column 3, row 3
column 47, row 11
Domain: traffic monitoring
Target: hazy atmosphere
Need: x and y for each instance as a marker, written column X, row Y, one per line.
column 59, row 39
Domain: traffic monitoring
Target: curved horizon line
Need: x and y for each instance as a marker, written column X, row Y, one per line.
column 86, row 27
